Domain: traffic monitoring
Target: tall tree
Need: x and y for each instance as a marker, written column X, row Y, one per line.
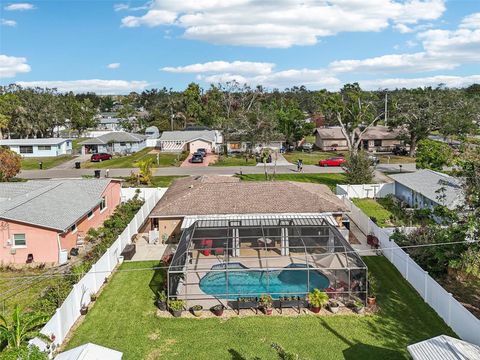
column 9, row 104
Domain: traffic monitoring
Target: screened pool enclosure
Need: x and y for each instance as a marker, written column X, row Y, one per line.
column 232, row 261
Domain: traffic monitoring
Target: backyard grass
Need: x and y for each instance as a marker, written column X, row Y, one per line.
column 331, row 180
column 123, row 318
column 234, row 160
column 310, row 158
column 163, row 181
column 131, row 161
column 48, row 162
column 373, row 209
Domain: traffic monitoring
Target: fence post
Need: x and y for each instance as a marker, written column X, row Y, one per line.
column 449, row 317
column 406, row 265
column 94, row 273
column 109, row 266
column 59, row 335
column 425, row 291
column 391, row 250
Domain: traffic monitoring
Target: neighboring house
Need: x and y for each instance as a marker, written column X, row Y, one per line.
column 376, row 138
column 190, row 140
column 90, row 351
column 109, row 121
column 428, row 189
column 152, row 133
column 118, row 142
column 205, row 197
column 237, row 143
column 39, row 147
column 42, row 220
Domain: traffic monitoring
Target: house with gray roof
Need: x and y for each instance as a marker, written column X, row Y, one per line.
column 427, row 189
column 42, row 220
column 45, row 147
column 190, row 140
column 115, row 142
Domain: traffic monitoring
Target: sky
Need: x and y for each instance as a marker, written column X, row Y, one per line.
column 115, row 46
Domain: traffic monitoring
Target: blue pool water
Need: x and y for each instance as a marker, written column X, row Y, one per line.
column 278, row 283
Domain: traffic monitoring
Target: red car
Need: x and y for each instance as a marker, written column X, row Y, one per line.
column 338, row 161
column 100, row 157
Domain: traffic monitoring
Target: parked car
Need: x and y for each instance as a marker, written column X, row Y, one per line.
column 202, row 151
column 337, row 161
column 373, row 159
column 400, row 150
column 308, row 147
column 100, row 157
column 196, row 159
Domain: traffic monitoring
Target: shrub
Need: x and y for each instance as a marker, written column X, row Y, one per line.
column 318, row 298
column 358, row 169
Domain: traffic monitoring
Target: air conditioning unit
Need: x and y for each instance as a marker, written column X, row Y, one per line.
column 13, row 251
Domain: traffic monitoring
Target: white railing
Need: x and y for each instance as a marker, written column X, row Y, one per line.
column 366, row 190
column 463, row 322
column 69, row 312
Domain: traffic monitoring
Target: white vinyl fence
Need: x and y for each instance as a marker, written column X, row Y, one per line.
column 366, row 190
column 144, row 193
column 446, row 306
column 68, row 313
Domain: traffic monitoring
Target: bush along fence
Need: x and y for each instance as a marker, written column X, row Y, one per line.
column 464, row 323
column 84, row 291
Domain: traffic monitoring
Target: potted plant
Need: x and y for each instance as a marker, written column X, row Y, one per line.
column 372, row 290
column 93, row 297
column 266, row 303
column 161, row 300
column 84, row 310
column 218, row 309
column 176, row 307
column 317, row 299
column 334, row 306
column 358, row 307
column 197, row 310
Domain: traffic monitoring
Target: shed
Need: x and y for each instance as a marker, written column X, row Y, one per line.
column 444, row 347
column 90, row 351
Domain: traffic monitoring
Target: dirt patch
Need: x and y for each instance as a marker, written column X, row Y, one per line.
column 467, row 292
column 159, row 352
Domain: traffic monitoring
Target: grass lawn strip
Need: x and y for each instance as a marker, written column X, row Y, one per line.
column 131, row 161
column 48, row 162
column 331, row 180
column 374, row 210
column 123, row 318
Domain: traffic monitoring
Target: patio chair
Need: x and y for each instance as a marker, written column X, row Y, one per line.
column 206, row 244
column 219, row 251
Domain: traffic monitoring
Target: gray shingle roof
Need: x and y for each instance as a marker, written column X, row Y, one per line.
column 188, row 135
column 208, row 195
column 427, row 182
column 55, row 204
column 45, row 141
column 115, row 136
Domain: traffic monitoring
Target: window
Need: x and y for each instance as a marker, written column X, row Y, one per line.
column 44, row 147
column 19, row 240
column 123, row 144
column 90, row 214
column 73, row 228
column 103, row 204
column 235, row 146
column 26, row 149
column 377, row 142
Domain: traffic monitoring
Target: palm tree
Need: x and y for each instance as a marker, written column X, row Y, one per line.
column 21, row 328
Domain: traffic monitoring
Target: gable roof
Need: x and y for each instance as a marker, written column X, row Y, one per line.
column 428, row 182
column 188, row 136
column 54, row 204
column 115, row 136
column 207, row 195
column 90, row 351
column 378, row 132
column 43, row 141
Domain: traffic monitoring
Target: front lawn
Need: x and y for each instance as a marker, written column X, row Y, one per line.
column 234, row 160
column 131, row 161
column 48, row 162
column 310, row 158
column 123, row 318
column 331, row 180
column 395, row 159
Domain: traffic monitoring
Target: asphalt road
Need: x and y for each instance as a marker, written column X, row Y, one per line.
column 210, row 170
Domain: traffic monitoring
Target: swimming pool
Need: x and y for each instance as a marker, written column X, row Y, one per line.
column 282, row 282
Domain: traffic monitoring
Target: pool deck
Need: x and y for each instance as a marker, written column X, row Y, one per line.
column 200, row 265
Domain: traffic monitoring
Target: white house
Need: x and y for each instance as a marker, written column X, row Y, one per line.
column 109, row 121
column 48, row 147
column 237, row 143
column 117, row 142
column 190, row 140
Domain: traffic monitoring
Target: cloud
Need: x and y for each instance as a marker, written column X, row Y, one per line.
column 6, row 22
column 19, row 7
column 238, row 67
column 123, row 7
column 113, row 66
column 402, row 28
column 94, row 85
column 282, row 23
column 393, row 83
column 10, row 66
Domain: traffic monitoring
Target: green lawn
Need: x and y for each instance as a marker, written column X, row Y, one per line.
column 131, row 161
column 394, row 159
column 379, row 214
column 48, row 162
column 123, row 318
column 311, row 158
column 234, row 160
column 331, row 180
column 163, row 181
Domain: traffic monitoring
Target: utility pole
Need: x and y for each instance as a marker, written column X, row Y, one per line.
column 386, row 108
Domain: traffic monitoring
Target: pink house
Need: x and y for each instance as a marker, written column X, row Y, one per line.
column 41, row 221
